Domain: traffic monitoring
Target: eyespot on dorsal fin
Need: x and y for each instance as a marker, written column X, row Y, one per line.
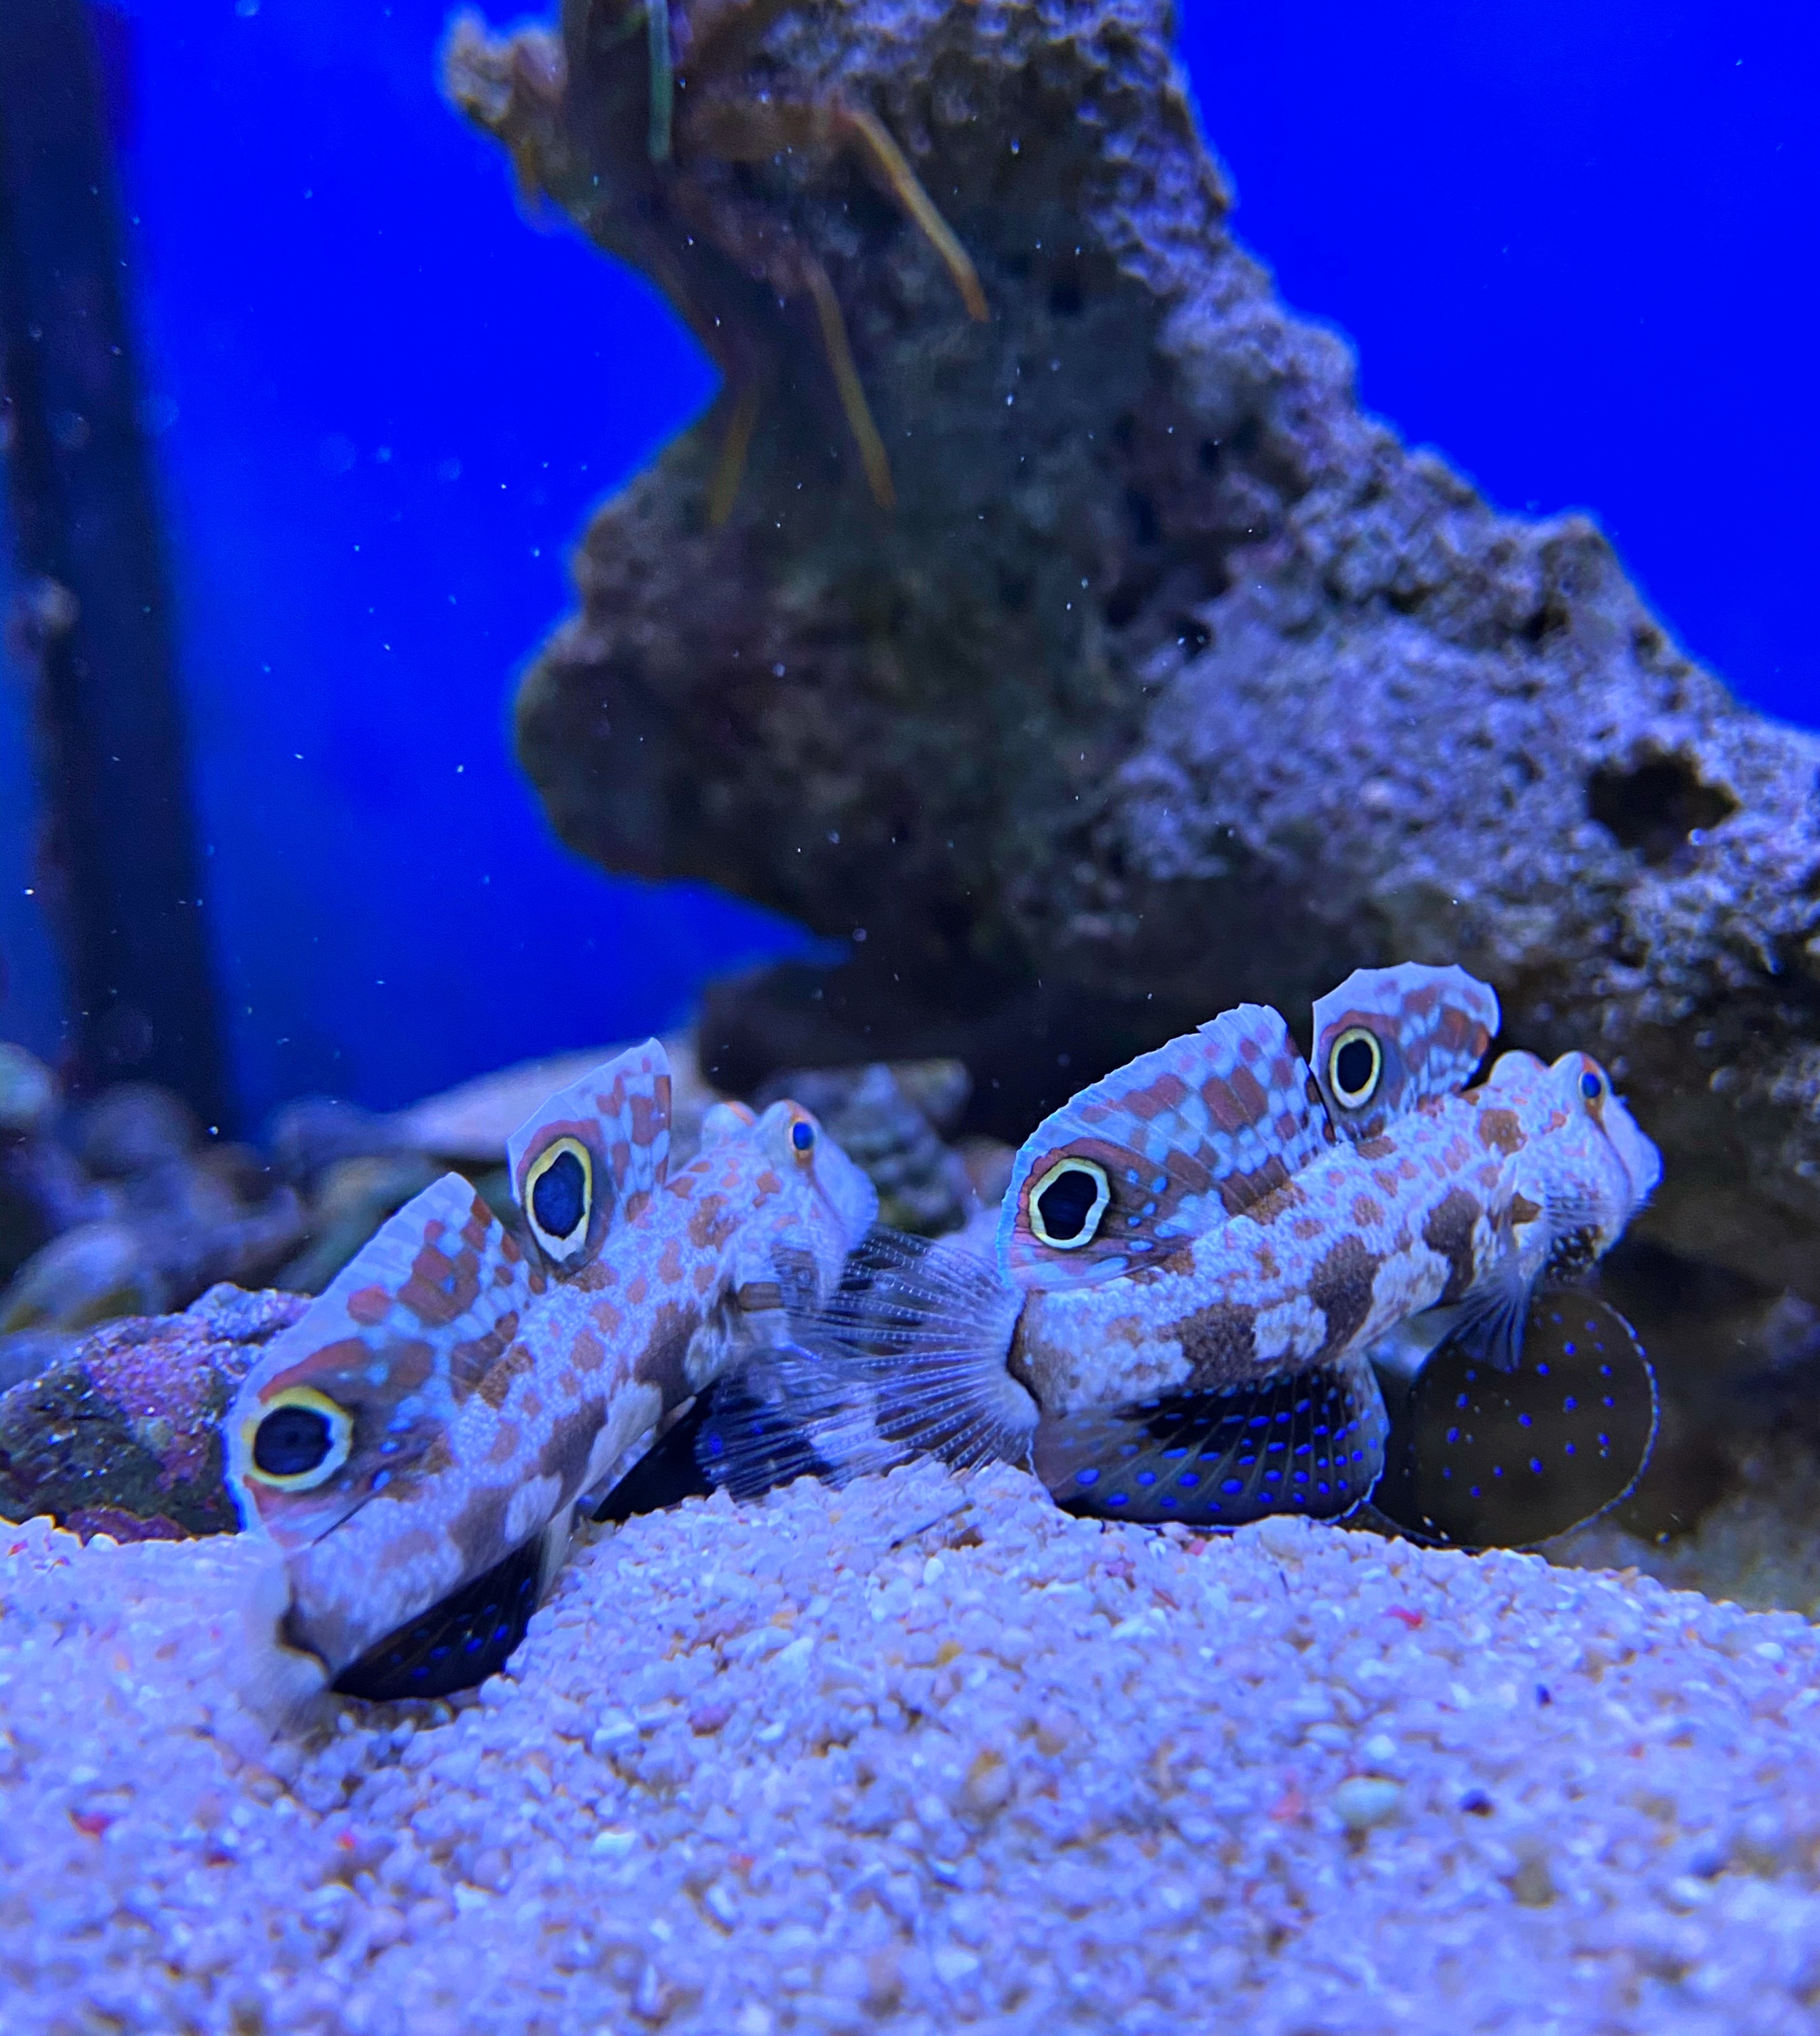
column 352, row 1397
column 1387, row 1038
column 593, row 1155
column 1163, row 1150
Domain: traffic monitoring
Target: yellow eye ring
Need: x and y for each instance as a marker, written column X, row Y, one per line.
column 1062, row 1213
column 297, row 1440
column 1353, row 1076
column 802, row 1138
column 559, row 1197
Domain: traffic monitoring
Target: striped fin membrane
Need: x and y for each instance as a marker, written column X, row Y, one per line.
column 905, row 1359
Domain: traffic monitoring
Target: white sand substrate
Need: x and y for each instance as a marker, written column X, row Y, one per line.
column 924, row 1754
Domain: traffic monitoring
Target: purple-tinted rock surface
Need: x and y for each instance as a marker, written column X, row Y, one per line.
column 121, row 1436
column 1173, row 678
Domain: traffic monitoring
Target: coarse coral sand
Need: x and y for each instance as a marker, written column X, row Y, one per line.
column 923, row 1754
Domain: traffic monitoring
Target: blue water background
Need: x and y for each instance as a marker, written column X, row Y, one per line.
column 1574, row 245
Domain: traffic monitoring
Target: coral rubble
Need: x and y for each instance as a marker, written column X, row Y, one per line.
column 121, row 1435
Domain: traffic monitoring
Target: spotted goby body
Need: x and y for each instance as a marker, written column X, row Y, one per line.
column 449, row 1397
column 1204, row 1260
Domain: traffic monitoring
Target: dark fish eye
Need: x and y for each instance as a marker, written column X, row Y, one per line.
column 1066, row 1205
column 291, row 1440
column 558, row 1201
column 1354, row 1066
column 1591, row 1086
column 803, row 1135
column 299, row 1441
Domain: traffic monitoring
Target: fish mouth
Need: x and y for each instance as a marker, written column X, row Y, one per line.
column 1641, row 1161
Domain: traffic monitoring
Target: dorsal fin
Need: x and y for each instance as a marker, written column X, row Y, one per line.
column 1388, row 1039
column 1162, row 1150
column 593, row 1155
column 363, row 1388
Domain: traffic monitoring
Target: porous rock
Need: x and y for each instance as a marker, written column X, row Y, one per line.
column 1173, row 678
column 121, row 1436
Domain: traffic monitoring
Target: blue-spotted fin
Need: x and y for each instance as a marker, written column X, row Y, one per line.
column 1200, row 1258
column 1482, row 1458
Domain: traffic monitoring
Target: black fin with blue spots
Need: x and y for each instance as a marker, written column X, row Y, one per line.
column 459, row 1641
column 1309, row 1441
column 1482, row 1458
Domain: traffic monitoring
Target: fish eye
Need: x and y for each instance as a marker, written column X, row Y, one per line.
column 1066, row 1205
column 803, row 1137
column 299, row 1441
column 1592, row 1085
column 558, row 1197
column 1355, row 1066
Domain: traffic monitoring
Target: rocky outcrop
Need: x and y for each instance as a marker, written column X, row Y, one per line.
column 122, row 1436
column 1173, row 678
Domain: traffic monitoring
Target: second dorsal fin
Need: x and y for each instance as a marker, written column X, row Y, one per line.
column 1388, row 1039
column 593, row 1155
column 1162, row 1150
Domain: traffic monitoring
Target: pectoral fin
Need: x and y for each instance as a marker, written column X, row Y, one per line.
column 1482, row 1458
column 905, row 1359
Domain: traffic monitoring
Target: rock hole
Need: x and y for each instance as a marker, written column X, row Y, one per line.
column 1142, row 511
column 1065, row 297
column 1550, row 617
column 1654, row 806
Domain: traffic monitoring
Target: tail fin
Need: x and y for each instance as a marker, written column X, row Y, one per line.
column 905, row 1359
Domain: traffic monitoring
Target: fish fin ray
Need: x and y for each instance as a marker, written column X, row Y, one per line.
column 1432, row 1026
column 1488, row 1322
column 1184, row 1138
column 906, row 1359
column 1309, row 1440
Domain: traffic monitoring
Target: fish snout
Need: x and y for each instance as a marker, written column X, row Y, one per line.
column 1638, row 1153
